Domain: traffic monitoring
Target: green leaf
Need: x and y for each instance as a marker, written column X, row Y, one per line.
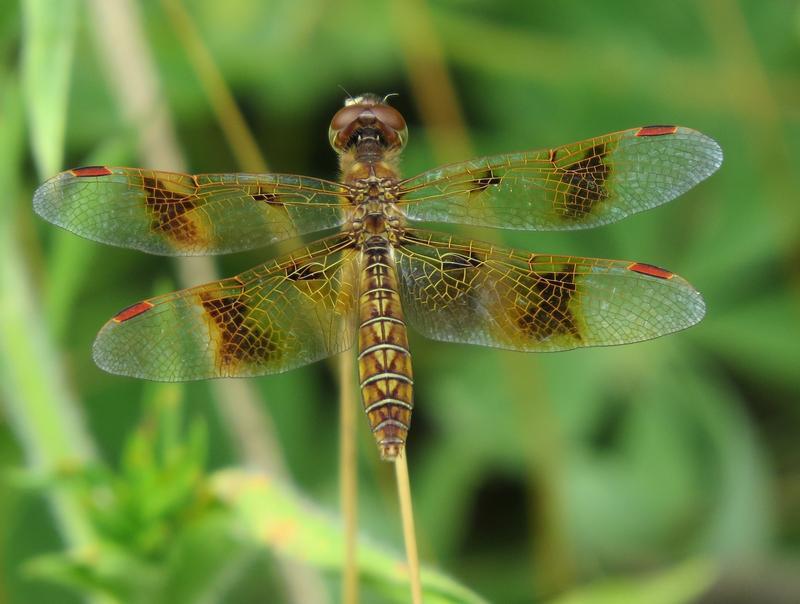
column 202, row 560
column 38, row 402
column 682, row 584
column 49, row 32
column 276, row 518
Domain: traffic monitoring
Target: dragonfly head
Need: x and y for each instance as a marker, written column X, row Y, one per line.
column 367, row 117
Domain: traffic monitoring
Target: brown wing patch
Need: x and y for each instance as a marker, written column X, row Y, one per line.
column 541, row 309
column 458, row 269
column 305, row 272
column 242, row 339
column 452, row 261
column 536, row 302
column 261, row 194
column 583, row 184
column 267, row 195
column 484, row 180
column 168, row 206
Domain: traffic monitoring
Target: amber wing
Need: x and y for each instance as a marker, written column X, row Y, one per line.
column 183, row 214
column 462, row 291
column 580, row 185
column 288, row 312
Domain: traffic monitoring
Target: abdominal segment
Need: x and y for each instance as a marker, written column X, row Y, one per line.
column 384, row 363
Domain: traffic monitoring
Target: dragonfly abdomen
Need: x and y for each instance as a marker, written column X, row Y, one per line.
column 384, row 362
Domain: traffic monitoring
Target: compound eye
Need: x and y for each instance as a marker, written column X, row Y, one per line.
column 342, row 125
column 346, row 116
column 389, row 116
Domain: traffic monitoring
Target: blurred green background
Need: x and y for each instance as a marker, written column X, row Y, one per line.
column 666, row 471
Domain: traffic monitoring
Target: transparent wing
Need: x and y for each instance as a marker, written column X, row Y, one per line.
column 462, row 291
column 288, row 312
column 577, row 186
column 182, row 214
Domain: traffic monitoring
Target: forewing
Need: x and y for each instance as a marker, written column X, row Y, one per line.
column 462, row 291
column 288, row 312
column 182, row 214
column 577, row 186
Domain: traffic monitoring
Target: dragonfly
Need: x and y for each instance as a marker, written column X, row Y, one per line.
column 379, row 273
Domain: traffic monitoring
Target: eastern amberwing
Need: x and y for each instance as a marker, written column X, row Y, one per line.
column 378, row 272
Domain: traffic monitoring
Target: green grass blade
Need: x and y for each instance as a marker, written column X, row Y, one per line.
column 680, row 585
column 39, row 405
column 48, row 34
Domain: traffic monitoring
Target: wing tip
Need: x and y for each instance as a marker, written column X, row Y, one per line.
column 713, row 154
column 42, row 203
column 104, row 352
column 701, row 306
column 46, row 197
column 711, row 149
column 689, row 299
column 710, row 154
column 694, row 303
column 110, row 361
column 38, row 200
column 100, row 347
column 703, row 154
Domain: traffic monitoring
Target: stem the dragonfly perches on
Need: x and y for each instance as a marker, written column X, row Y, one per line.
column 348, row 477
column 407, row 514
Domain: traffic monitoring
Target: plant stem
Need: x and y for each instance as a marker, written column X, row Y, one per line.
column 240, row 139
column 407, row 514
column 432, row 87
column 348, row 477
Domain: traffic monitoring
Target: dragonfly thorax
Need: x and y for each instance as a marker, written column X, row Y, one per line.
column 376, row 216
